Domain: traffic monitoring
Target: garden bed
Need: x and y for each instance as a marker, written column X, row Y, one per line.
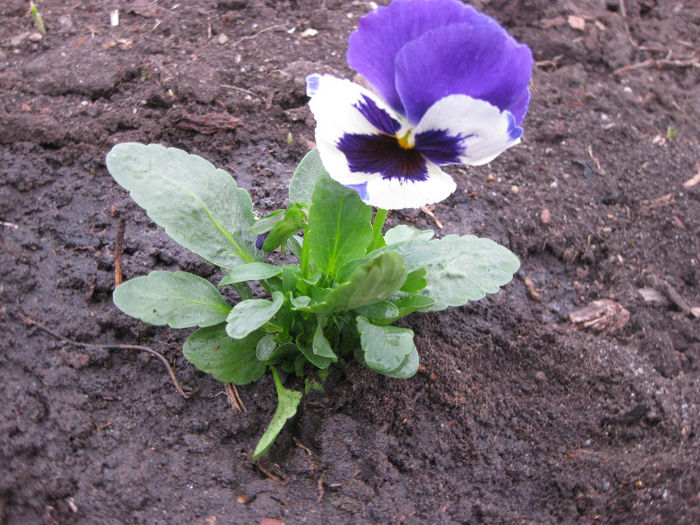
column 521, row 411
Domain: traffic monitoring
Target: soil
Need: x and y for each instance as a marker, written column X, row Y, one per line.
column 523, row 413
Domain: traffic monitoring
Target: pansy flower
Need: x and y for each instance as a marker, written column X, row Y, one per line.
column 450, row 86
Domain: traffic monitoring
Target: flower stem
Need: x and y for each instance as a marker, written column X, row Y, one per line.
column 276, row 377
column 305, row 254
column 379, row 218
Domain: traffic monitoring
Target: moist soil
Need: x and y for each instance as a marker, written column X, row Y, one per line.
column 525, row 409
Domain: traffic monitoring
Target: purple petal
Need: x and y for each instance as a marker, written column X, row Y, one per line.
column 261, row 240
column 440, row 147
column 483, row 62
column 381, row 34
column 361, row 190
column 376, row 116
column 514, row 131
column 383, row 155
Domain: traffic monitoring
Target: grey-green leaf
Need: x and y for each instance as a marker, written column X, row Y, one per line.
column 468, row 269
column 249, row 315
column 178, row 299
column 340, row 226
column 198, row 205
column 371, row 282
column 227, row 360
column 409, row 367
column 389, row 350
column 287, row 403
column 459, row 268
column 403, row 232
column 251, row 272
column 265, row 347
column 301, row 187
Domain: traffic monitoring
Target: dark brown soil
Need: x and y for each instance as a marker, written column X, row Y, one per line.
column 520, row 415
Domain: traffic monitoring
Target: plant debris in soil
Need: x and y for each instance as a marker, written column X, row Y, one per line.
column 519, row 413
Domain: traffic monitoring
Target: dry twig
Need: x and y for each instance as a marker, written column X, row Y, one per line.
column 623, row 12
column 302, row 446
column 430, row 214
column 273, row 476
column 234, row 397
column 690, row 62
column 118, row 249
column 251, row 37
column 242, row 90
column 321, row 489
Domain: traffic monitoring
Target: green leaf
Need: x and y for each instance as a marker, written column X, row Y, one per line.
column 409, row 367
column 389, row 350
column 402, row 233
column 249, row 315
column 265, row 224
column 339, row 228
column 265, row 347
column 459, row 268
column 294, row 245
column 380, row 313
column 413, row 303
column 300, row 301
column 250, row 272
column 293, row 221
column 198, row 205
column 301, row 187
column 321, row 347
column 317, row 361
column 371, row 282
column 415, row 281
column 287, row 403
column 227, row 360
column 178, row 299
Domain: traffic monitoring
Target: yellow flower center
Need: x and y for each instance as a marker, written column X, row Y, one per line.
column 406, row 141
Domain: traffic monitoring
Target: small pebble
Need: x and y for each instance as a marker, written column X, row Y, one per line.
column 35, row 37
column 540, row 376
column 515, row 189
column 221, row 39
column 310, row 32
column 490, row 178
column 545, row 216
column 577, row 22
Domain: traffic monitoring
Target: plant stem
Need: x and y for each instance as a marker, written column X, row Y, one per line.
column 379, row 218
column 276, row 377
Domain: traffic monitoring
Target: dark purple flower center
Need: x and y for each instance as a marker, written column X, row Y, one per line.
column 389, row 156
column 383, row 154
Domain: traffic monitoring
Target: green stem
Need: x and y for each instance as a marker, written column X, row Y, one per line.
column 379, row 219
column 276, row 377
column 243, row 290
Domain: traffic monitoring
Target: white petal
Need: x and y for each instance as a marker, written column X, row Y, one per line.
column 333, row 105
column 488, row 131
column 394, row 194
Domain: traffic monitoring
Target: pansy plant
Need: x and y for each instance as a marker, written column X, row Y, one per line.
column 449, row 86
